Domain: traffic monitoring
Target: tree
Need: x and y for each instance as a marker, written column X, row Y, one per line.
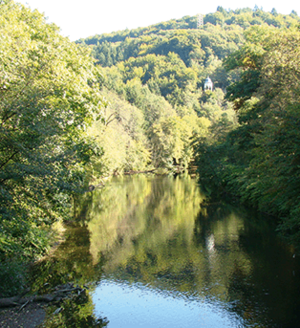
column 48, row 96
column 267, row 101
column 122, row 137
column 274, row 12
column 170, row 138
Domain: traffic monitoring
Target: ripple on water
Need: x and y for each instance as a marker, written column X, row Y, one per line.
column 136, row 305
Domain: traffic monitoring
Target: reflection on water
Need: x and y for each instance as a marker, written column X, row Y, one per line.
column 137, row 305
column 159, row 257
column 75, row 311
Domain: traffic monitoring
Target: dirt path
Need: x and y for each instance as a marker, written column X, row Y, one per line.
column 31, row 316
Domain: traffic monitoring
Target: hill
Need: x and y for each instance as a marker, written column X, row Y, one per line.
column 161, row 69
column 242, row 135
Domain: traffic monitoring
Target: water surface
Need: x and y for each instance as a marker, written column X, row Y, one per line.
column 157, row 254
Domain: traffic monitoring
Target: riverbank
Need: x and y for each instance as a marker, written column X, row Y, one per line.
column 31, row 311
column 31, row 316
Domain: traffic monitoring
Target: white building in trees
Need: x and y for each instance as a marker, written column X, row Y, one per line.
column 208, row 85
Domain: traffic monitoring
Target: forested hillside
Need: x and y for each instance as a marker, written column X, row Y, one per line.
column 245, row 131
column 258, row 161
column 160, row 70
column 72, row 114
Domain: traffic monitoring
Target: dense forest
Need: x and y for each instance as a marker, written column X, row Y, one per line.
column 243, row 135
column 73, row 114
column 49, row 95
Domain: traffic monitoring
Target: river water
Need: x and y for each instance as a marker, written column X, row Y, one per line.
column 155, row 253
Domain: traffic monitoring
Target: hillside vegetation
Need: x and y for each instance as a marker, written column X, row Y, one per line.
column 160, row 70
column 245, row 132
column 258, row 160
column 72, row 114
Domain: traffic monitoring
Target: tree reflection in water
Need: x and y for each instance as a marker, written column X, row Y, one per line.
column 161, row 233
column 77, row 311
column 71, row 262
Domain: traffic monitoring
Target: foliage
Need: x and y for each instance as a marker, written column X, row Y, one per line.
column 171, row 140
column 12, row 277
column 164, row 83
column 75, row 312
column 58, row 131
column 160, row 70
column 260, row 163
column 122, row 138
column 243, row 18
column 48, row 96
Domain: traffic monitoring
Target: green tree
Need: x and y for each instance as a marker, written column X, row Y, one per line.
column 48, row 96
column 259, row 160
column 170, row 138
column 122, row 137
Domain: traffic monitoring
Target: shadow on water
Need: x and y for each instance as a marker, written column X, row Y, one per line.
column 71, row 262
column 77, row 311
column 263, row 286
column 152, row 248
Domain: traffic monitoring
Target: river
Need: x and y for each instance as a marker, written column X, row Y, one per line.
column 155, row 253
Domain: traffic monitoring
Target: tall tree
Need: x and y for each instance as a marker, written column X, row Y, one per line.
column 260, row 159
column 48, row 95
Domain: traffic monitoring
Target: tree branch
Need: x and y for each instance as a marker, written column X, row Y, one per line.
column 10, row 158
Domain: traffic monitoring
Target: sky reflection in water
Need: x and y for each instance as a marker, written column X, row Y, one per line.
column 164, row 258
column 133, row 305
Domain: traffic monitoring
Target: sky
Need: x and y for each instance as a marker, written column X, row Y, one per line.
column 81, row 19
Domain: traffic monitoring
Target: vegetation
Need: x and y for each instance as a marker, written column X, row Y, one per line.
column 258, row 161
column 160, row 71
column 68, row 119
column 252, row 58
column 48, row 96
